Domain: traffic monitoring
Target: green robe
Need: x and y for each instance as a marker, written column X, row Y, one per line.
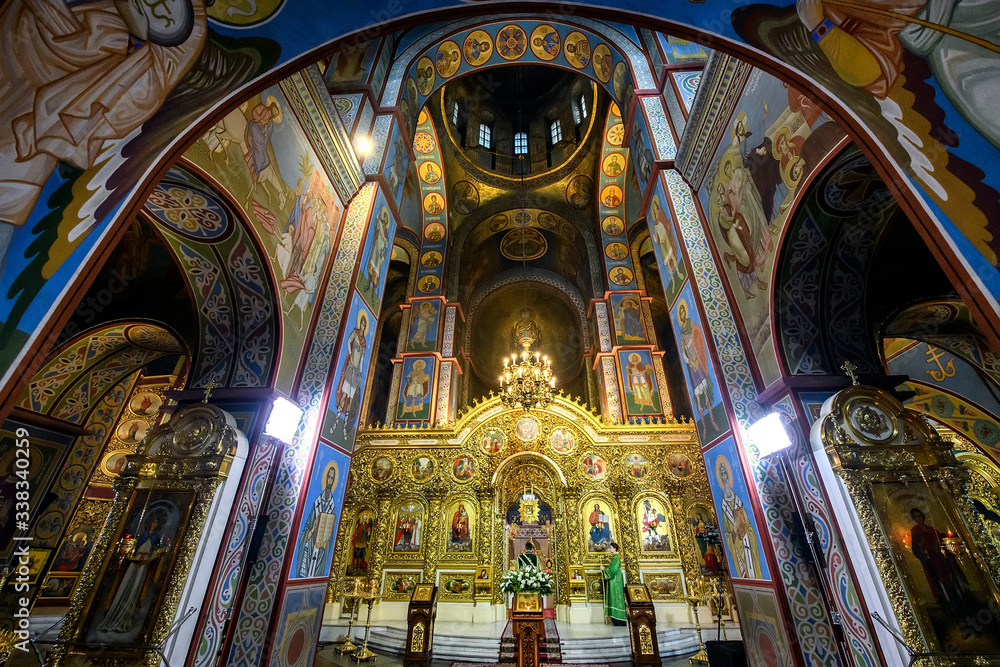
column 527, row 560
column 614, row 590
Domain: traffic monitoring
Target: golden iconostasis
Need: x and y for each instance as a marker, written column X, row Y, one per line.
column 457, row 506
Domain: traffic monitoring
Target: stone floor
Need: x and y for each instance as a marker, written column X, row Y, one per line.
column 328, row 657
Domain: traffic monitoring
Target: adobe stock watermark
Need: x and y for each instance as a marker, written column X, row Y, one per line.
column 21, row 578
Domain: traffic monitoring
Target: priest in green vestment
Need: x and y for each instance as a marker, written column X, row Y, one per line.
column 614, row 588
column 528, row 557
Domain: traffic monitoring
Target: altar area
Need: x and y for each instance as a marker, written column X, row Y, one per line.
column 457, row 506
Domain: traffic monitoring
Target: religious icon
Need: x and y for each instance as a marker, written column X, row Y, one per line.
column 653, row 526
column 347, row 395
column 422, row 469
column 425, row 76
column 381, row 469
column 409, row 524
column 360, row 540
column 579, row 191
column 145, row 404
column 477, row 48
column 511, row 42
column 562, row 439
column 642, row 395
column 493, row 441
column 613, row 225
column 429, row 284
column 423, row 328
column 616, row 251
column 636, row 466
column 463, row 468
column 114, row 462
column 448, row 59
column 414, row 397
column 545, row 42
column 58, row 587
column 498, row 222
column 523, row 243
column 577, row 49
column 72, row 555
column 370, row 279
column 430, row 172
column 434, row 232
column 460, row 539
column 613, row 165
column 603, row 63
column 37, row 559
column 599, row 526
column 593, row 466
column 738, row 529
column 320, row 527
column 547, row 220
column 399, row 585
column 621, row 276
column 702, row 522
column 526, row 429
column 694, row 354
column 133, row 431
column 464, row 198
column 627, row 313
column 431, row 260
column 679, row 465
column 433, row 203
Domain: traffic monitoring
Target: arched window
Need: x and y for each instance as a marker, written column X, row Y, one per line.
column 485, row 136
column 555, row 131
column 454, row 114
column 521, row 143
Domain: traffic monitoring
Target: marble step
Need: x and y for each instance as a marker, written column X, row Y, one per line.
column 671, row 642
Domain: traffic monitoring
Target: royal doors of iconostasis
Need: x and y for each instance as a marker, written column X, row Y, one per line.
column 458, row 506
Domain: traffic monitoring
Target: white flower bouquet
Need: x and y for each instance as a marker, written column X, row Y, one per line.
column 527, row 580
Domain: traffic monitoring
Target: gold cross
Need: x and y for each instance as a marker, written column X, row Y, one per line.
column 849, row 368
column 208, row 390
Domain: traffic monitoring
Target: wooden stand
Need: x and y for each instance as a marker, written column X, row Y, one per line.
column 642, row 625
column 527, row 616
column 420, row 626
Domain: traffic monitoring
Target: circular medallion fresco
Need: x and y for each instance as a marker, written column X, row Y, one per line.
column 511, row 42
column 577, row 49
column 411, row 92
column 381, row 469
column 423, row 142
column 448, row 59
column 613, row 225
column 613, row 165
column 189, row 213
column 114, row 462
column 603, row 64
column 430, row 172
column 422, row 118
column 146, row 403
column 526, row 429
column 464, row 198
column 579, row 191
column 525, row 243
column 562, row 439
column 593, row 466
column 547, row 220
column 611, row 196
column 463, row 468
column 433, row 203
column 431, row 260
column 616, row 251
column 434, row 232
column 545, row 42
column 493, row 441
column 498, row 222
column 477, row 48
column 636, row 466
column 621, row 276
column 615, row 111
column 429, row 284
column 615, row 134
column 522, row 218
column 620, row 77
column 422, row 469
column 679, row 465
column 133, row 430
column 425, row 76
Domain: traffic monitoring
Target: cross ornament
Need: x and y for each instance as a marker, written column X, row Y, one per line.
column 212, row 385
column 849, row 368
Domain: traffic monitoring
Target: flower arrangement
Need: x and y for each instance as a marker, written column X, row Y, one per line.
column 527, row 580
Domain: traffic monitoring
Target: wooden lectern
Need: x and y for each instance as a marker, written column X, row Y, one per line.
column 527, row 615
column 642, row 625
column 420, row 626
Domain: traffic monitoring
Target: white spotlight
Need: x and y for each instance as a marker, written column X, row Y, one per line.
column 364, row 145
column 769, row 435
column 284, row 420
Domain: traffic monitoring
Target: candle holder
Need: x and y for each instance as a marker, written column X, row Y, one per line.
column 368, row 594
column 701, row 656
column 349, row 646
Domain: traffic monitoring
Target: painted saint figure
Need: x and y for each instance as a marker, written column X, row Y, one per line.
column 600, row 526
column 424, row 326
column 947, row 582
column 407, row 533
column 694, row 352
column 416, row 389
column 258, row 155
column 319, row 528
column 359, row 545
column 460, row 527
column 380, row 248
column 120, row 617
column 639, row 378
column 737, row 527
column 349, row 389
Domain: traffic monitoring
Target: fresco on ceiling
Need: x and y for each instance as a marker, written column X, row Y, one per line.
column 963, row 417
column 415, row 394
column 641, row 153
column 699, row 369
column 260, row 155
column 241, row 13
column 351, row 65
column 663, row 234
column 767, row 150
column 344, row 406
column 375, row 255
column 397, row 162
column 740, row 532
column 677, row 50
column 642, row 393
column 922, row 77
column 61, row 182
column 320, row 514
column 937, row 367
column 686, row 84
column 423, row 332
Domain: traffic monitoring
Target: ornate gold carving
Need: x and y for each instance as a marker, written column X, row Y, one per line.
column 417, row 641
column 645, row 640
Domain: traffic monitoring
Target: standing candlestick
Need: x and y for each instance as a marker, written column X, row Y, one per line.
column 701, row 655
